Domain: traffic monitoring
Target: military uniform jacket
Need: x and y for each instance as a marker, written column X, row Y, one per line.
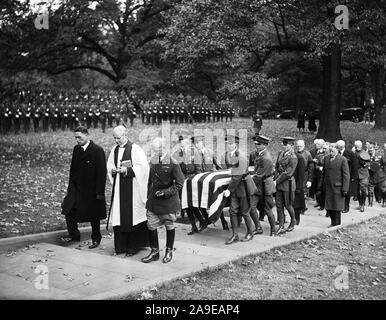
column 263, row 176
column 363, row 167
column 168, row 178
column 205, row 160
column 285, row 168
column 241, row 184
column 185, row 157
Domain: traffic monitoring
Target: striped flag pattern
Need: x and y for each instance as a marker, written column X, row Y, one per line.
column 205, row 190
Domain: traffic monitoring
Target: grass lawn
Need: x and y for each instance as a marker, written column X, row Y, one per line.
column 343, row 264
column 34, row 168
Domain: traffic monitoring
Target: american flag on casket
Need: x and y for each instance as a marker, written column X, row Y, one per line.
column 205, row 190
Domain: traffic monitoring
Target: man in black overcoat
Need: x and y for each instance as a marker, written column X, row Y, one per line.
column 353, row 167
column 85, row 199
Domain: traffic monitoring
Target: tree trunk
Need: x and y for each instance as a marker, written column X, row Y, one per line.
column 379, row 96
column 329, row 124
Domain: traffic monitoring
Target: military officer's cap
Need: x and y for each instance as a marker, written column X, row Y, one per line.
column 261, row 139
column 232, row 138
column 287, row 140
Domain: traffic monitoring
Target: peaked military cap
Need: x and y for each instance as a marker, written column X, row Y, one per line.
column 261, row 139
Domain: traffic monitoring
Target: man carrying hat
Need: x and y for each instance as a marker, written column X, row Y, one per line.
column 285, row 183
column 263, row 178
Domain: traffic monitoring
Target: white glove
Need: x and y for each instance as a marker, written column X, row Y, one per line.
column 308, row 184
column 227, row 193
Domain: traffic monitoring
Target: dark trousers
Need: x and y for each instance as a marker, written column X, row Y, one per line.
column 240, row 207
column 195, row 213
column 73, row 231
column 335, row 217
column 284, row 199
column 347, row 203
column 265, row 205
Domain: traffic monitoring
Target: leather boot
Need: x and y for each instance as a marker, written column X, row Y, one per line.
column 154, row 253
column 193, row 231
column 153, row 256
column 168, row 255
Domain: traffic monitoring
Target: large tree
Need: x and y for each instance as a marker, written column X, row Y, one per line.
column 114, row 38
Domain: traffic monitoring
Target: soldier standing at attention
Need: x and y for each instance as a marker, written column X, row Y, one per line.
column 285, row 183
column 257, row 123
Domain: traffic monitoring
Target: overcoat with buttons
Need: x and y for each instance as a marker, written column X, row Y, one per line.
column 87, row 181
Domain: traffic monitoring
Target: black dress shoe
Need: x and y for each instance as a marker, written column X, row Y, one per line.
column 168, row 255
column 153, row 256
column 273, row 233
column 258, row 231
column 290, row 228
column 203, row 227
column 261, row 218
column 345, row 211
column 131, row 253
column 94, row 245
column 281, row 230
column 248, row 237
column 69, row 240
column 193, row 231
column 233, row 239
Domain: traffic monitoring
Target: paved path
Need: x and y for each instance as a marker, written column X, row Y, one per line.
column 76, row 272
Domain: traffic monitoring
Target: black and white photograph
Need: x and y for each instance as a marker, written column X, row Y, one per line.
column 193, row 158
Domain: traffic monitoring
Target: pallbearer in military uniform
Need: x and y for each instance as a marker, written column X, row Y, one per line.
column 240, row 189
column 263, row 178
column 285, row 183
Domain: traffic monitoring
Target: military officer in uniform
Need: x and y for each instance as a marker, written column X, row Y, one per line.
column 240, row 189
column 262, row 160
column 285, row 183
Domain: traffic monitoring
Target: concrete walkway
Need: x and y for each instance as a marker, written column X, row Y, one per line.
column 50, row 271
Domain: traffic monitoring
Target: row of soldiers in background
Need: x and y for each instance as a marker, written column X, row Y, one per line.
column 62, row 118
column 185, row 109
column 367, row 165
column 22, row 109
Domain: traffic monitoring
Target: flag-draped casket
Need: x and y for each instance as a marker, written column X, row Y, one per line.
column 205, row 190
